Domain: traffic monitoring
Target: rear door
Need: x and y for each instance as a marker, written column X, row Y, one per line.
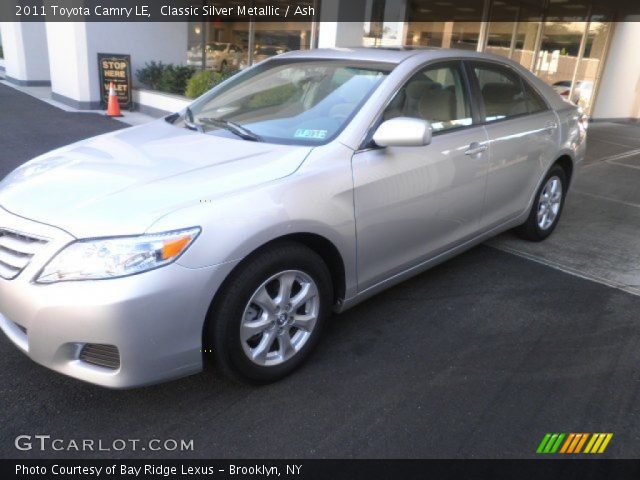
column 523, row 137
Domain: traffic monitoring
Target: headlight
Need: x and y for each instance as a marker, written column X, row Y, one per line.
column 115, row 257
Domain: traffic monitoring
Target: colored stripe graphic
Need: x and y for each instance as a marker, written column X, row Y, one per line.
column 555, row 447
column 550, row 443
column 543, row 443
column 605, row 443
column 574, row 443
column 598, row 443
column 583, row 439
column 568, row 442
column 594, row 437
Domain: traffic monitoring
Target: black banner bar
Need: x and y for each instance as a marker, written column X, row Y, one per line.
column 584, row 469
column 373, row 11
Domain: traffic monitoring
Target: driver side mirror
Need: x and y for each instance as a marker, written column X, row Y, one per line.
column 403, row 132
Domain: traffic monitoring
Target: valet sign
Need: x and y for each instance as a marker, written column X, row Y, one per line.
column 115, row 68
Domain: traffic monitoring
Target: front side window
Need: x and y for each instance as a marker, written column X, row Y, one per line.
column 287, row 101
column 504, row 93
column 437, row 94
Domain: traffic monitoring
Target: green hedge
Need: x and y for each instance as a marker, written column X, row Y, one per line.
column 179, row 79
column 205, row 80
column 274, row 96
column 167, row 78
column 151, row 74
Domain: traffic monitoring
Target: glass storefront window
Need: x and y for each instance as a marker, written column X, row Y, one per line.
column 563, row 42
column 515, row 32
column 217, row 46
column 558, row 55
column 276, row 38
column 229, row 46
column 589, row 67
column 566, row 50
column 462, row 35
column 461, row 32
column 386, row 23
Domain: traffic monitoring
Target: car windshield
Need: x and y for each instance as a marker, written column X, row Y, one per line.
column 292, row 102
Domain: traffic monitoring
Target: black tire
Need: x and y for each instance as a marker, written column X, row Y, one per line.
column 223, row 66
column 530, row 230
column 222, row 331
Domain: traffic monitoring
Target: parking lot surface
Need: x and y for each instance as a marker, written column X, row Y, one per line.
column 477, row 358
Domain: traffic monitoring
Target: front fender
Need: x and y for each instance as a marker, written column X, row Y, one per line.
column 316, row 199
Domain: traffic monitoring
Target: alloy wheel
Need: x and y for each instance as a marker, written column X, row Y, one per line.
column 549, row 203
column 279, row 318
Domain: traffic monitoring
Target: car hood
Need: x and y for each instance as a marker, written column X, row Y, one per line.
column 121, row 182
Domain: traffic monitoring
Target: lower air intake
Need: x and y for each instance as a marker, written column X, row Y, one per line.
column 106, row 356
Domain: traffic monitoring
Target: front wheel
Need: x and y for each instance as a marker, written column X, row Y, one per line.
column 547, row 207
column 270, row 313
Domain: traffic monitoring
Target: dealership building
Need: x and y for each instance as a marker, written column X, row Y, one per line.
column 588, row 51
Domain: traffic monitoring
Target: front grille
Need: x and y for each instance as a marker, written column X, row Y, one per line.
column 16, row 252
column 106, row 356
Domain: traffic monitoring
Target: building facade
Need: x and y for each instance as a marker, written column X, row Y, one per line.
column 587, row 52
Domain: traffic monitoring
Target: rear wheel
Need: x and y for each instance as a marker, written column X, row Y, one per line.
column 547, row 208
column 270, row 313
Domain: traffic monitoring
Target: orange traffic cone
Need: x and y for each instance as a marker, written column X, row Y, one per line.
column 113, row 107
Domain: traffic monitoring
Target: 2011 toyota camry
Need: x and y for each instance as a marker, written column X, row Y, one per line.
column 230, row 231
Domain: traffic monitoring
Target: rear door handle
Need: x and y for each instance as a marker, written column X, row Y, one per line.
column 475, row 148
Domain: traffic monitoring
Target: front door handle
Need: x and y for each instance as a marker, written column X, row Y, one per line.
column 475, row 148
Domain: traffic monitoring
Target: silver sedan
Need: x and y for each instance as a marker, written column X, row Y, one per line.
column 299, row 187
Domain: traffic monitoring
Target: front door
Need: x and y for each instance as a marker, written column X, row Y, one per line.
column 412, row 203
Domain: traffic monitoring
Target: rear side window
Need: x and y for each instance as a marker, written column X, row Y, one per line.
column 437, row 94
column 504, row 93
column 535, row 103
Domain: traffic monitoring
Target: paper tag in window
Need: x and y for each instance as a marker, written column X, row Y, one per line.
column 308, row 133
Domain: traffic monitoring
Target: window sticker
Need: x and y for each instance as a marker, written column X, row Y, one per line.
column 308, row 133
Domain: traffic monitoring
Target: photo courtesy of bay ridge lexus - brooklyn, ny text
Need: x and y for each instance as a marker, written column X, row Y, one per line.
column 341, row 239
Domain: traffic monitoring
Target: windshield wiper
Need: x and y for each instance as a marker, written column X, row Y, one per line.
column 190, row 123
column 234, row 128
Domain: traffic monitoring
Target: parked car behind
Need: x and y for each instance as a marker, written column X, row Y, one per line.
column 230, row 231
column 264, row 52
column 218, row 56
column 581, row 93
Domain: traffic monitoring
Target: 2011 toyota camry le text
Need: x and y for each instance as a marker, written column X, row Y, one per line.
column 229, row 232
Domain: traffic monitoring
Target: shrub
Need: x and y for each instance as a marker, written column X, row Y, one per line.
column 205, row 80
column 200, row 82
column 174, row 78
column 274, row 96
column 167, row 78
column 151, row 74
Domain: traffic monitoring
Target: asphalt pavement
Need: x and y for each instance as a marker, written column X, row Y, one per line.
column 477, row 358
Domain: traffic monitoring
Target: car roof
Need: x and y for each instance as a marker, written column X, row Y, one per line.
column 393, row 55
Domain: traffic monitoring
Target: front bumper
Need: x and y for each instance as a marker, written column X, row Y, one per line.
column 155, row 320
